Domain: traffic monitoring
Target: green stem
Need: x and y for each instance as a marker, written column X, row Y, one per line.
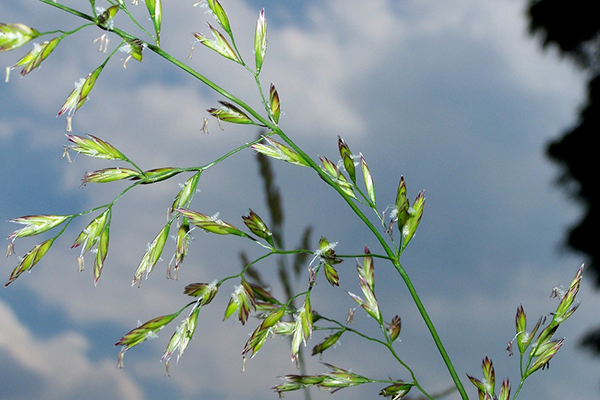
column 388, row 345
column 374, row 255
column 210, row 84
column 69, row 10
column 348, row 329
column 393, row 258
column 126, row 11
column 519, row 389
column 391, row 254
column 528, row 364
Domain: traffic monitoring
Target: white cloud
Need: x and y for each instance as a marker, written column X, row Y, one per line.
column 60, row 364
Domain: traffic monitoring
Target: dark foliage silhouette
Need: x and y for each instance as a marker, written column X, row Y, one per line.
column 575, row 29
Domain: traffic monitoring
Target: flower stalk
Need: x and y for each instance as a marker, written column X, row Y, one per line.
column 342, row 177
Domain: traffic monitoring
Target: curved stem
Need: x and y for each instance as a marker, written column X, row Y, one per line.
column 391, row 254
column 69, row 10
column 388, row 345
column 393, row 258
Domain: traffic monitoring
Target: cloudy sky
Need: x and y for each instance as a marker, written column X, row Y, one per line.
column 454, row 96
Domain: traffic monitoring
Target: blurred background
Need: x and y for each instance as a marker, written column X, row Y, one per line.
column 458, row 97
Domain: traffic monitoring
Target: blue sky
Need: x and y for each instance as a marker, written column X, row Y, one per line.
column 454, row 96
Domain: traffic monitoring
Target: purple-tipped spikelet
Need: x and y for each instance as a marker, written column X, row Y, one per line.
column 274, row 104
column 34, row 58
column 101, row 254
column 181, row 338
column 79, row 95
column 30, row 259
column 187, row 191
column 336, row 175
column 35, row 225
column 205, row 292
column 393, row 328
column 151, row 256
column 210, row 224
column 279, row 151
column 396, row 391
column 258, row 227
column 243, row 301
column 147, row 330
column 95, row 147
column 90, row 236
column 347, row 159
column 219, row 43
column 303, row 327
column 13, row 36
column 329, row 341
